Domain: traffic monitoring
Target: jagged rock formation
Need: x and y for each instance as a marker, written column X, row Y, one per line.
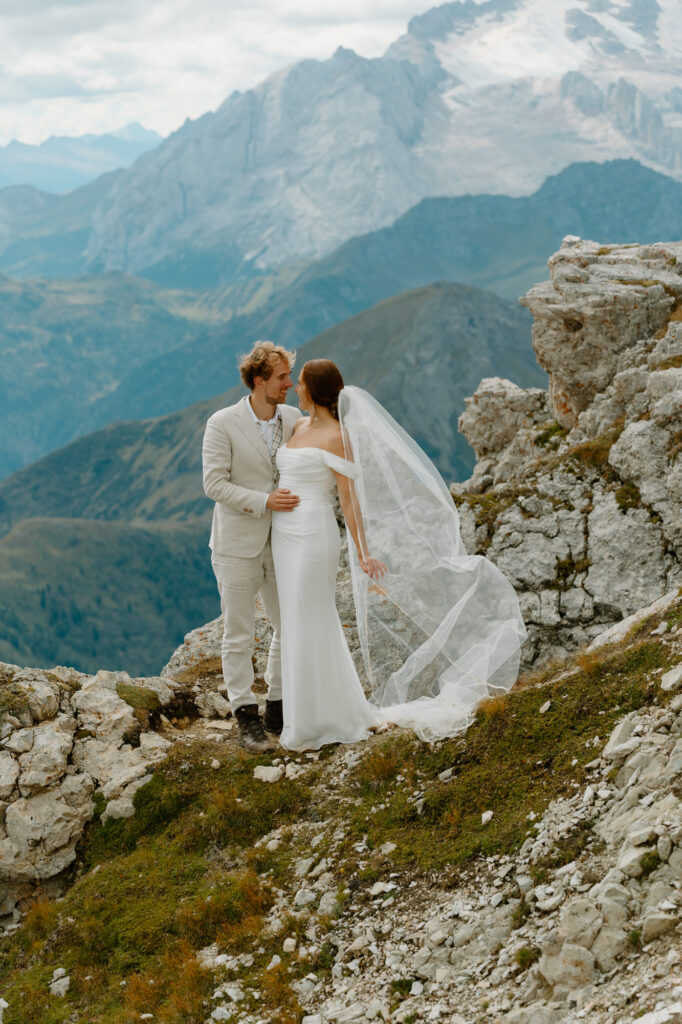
column 577, row 492
column 68, row 741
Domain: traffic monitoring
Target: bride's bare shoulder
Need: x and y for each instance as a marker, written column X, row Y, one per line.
column 334, row 441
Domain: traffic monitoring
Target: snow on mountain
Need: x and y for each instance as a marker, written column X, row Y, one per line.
column 475, row 97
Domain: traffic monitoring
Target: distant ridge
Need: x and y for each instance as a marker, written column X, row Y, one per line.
column 63, row 163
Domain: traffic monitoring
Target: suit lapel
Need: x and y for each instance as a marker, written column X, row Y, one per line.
column 249, row 429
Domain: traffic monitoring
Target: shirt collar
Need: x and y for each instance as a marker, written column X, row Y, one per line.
column 271, row 420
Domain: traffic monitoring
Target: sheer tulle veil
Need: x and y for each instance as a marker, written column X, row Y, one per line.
column 442, row 630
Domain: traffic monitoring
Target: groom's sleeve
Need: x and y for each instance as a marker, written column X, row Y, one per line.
column 217, row 462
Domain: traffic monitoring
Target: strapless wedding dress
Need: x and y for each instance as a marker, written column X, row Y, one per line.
column 323, row 699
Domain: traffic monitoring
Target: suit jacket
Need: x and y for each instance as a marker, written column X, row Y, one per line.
column 238, row 476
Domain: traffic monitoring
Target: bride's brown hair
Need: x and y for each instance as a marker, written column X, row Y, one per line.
column 323, row 380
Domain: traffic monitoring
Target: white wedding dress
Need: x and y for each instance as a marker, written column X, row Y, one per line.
column 322, row 697
column 439, row 633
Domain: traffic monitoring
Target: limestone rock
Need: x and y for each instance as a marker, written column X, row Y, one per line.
column 614, row 579
column 580, row 922
column 572, row 967
column 268, row 773
column 43, row 829
column 9, row 773
column 45, row 763
column 592, row 310
column 672, row 680
column 656, row 924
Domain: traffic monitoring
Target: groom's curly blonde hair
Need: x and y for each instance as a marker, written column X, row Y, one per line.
column 262, row 360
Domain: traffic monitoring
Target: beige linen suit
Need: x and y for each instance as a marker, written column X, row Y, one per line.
column 239, row 473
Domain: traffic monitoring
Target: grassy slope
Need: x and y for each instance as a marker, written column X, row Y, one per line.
column 140, row 916
column 102, row 595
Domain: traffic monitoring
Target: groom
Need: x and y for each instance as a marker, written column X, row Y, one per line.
column 240, row 475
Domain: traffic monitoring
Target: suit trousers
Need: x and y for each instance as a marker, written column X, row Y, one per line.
column 239, row 580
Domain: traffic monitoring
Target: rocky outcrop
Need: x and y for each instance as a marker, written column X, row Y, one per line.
column 577, row 492
column 70, row 743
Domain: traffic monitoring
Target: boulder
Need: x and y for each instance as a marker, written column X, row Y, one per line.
column 571, row 967
column 580, row 922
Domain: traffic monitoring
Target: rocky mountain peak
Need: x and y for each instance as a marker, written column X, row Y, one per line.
column 330, row 148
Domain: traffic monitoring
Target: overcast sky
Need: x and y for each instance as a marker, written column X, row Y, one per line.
column 73, row 66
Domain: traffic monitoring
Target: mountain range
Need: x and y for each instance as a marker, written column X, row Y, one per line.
column 63, row 163
column 487, row 97
column 122, row 347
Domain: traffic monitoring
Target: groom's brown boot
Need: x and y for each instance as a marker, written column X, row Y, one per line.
column 251, row 733
column 273, row 720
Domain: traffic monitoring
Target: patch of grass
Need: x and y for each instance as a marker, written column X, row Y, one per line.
column 277, row 994
column 226, row 904
column 13, row 699
column 492, row 708
column 139, row 697
column 41, row 918
column 519, row 914
column 198, row 807
column 380, row 766
column 567, row 569
column 513, row 761
column 527, row 956
column 551, row 436
column 628, row 496
column 401, row 986
column 205, row 668
column 649, row 862
column 635, row 938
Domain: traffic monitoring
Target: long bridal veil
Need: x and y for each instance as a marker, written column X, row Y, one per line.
column 442, row 630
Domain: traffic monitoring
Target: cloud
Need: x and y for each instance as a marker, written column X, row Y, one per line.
column 71, row 66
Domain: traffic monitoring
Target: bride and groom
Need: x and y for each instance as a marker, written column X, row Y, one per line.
column 439, row 630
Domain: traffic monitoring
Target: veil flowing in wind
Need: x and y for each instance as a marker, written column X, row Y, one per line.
column 442, row 630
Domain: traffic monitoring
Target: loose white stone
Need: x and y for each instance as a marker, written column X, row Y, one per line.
column 215, row 763
column 672, row 680
column 545, row 707
column 60, row 987
column 268, row 774
column 486, row 817
column 380, row 887
column 304, row 897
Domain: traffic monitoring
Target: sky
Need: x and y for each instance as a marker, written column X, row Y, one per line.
column 75, row 66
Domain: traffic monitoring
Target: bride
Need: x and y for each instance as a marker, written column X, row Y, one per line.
column 439, row 630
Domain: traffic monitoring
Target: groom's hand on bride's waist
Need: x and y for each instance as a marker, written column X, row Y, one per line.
column 282, row 500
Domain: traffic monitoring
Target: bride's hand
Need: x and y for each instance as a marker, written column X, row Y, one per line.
column 373, row 567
